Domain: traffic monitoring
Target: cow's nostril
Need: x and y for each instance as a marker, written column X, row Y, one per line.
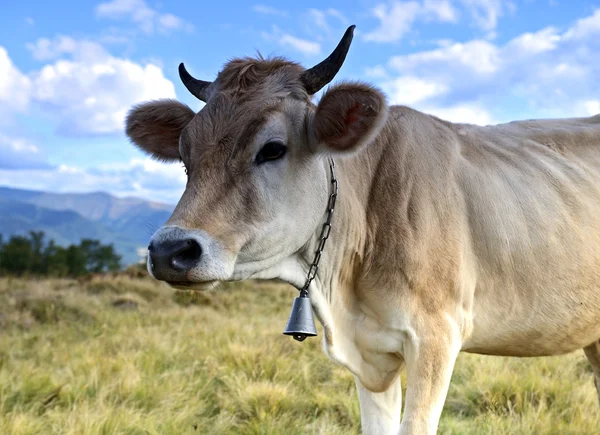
column 187, row 255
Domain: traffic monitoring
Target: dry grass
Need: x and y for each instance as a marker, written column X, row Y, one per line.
column 125, row 355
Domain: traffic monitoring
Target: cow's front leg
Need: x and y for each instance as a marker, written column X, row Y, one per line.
column 380, row 412
column 430, row 353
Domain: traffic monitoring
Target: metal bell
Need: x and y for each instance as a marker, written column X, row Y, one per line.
column 301, row 324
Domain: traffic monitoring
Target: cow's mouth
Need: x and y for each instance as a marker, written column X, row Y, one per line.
column 192, row 285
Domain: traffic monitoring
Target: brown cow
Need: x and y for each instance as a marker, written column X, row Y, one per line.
column 446, row 237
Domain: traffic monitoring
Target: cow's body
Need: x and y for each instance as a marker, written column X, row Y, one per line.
column 509, row 214
column 492, row 231
column 446, row 237
column 533, row 202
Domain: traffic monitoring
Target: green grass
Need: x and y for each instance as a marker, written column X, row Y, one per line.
column 132, row 356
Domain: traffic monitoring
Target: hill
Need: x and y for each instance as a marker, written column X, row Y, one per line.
column 127, row 223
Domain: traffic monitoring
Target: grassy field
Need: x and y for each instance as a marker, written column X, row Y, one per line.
column 125, row 355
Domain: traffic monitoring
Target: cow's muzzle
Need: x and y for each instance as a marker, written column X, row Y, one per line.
column 170, row 260
column 187, row 258
column 172, row 254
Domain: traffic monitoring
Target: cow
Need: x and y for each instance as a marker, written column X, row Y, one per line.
column 445, row 237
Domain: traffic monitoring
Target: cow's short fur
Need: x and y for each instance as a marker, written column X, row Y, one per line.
column 446, row 237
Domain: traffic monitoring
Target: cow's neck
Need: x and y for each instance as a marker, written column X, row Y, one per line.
column 349, row 275
column 345, row 256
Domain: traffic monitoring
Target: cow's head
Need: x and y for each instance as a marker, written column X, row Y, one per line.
column 255, row 154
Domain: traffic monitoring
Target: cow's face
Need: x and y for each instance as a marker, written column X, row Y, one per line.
column 255, row 156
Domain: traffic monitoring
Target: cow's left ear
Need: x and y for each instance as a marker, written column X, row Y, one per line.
column 348, row 117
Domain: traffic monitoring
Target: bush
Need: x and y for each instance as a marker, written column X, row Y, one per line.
column 31, row 256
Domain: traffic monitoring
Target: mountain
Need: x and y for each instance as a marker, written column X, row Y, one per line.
column 66, row 218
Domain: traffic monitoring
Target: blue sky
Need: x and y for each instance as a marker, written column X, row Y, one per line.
column 70, row 70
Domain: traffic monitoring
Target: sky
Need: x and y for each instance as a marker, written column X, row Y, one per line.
column 71, row 69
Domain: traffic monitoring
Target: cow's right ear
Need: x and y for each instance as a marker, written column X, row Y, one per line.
column 155, row 127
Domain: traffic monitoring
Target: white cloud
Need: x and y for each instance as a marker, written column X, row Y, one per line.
column 423, row 95
column 91, row 92
column 394, row 21
column 534, row 43
column 396, row 18
column 15, row 86
column 547, row 73
column 592, row 107
column 141, row 177
column 301, row 45
column 486, row 13
column 586, row 27
column 268, row 10
column 376, row 72
column 148, row 19
column 411, row 90
column 337, row 14
column 304, row 46
column 49, row 49
column 463, row 113
column 20, row 153
column 319, row 18
column 477, row 55
column 442, row 10
column 172, row 22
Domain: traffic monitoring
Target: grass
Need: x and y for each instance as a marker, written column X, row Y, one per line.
column 132, row 356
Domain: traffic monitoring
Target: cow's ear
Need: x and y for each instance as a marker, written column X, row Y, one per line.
column 155, row 127
column 348, row 117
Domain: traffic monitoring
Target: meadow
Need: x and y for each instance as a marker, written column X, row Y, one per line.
column 127, row 355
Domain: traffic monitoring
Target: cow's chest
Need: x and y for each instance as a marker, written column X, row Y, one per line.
column 359, row 341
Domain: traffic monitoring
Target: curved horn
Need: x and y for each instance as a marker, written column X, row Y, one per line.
column 198, row 88
column 321, row 74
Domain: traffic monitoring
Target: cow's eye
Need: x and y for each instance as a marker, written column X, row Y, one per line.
column 270, row 151
column 183, row 165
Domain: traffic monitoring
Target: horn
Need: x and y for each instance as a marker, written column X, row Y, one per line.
column 198, row 88
column 319, row 75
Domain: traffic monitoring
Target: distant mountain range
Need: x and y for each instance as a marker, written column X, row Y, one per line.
column 66, row 218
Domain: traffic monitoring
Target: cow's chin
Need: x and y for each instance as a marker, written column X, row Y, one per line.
column 198, row 286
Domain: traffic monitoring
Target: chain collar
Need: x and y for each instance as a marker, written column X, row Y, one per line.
column 314, row 267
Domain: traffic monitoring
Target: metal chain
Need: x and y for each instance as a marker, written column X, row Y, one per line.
column 314, row 267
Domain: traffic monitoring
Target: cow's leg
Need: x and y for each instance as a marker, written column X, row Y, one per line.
column 592, row 352
column 430, row 358
column 380, row 412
